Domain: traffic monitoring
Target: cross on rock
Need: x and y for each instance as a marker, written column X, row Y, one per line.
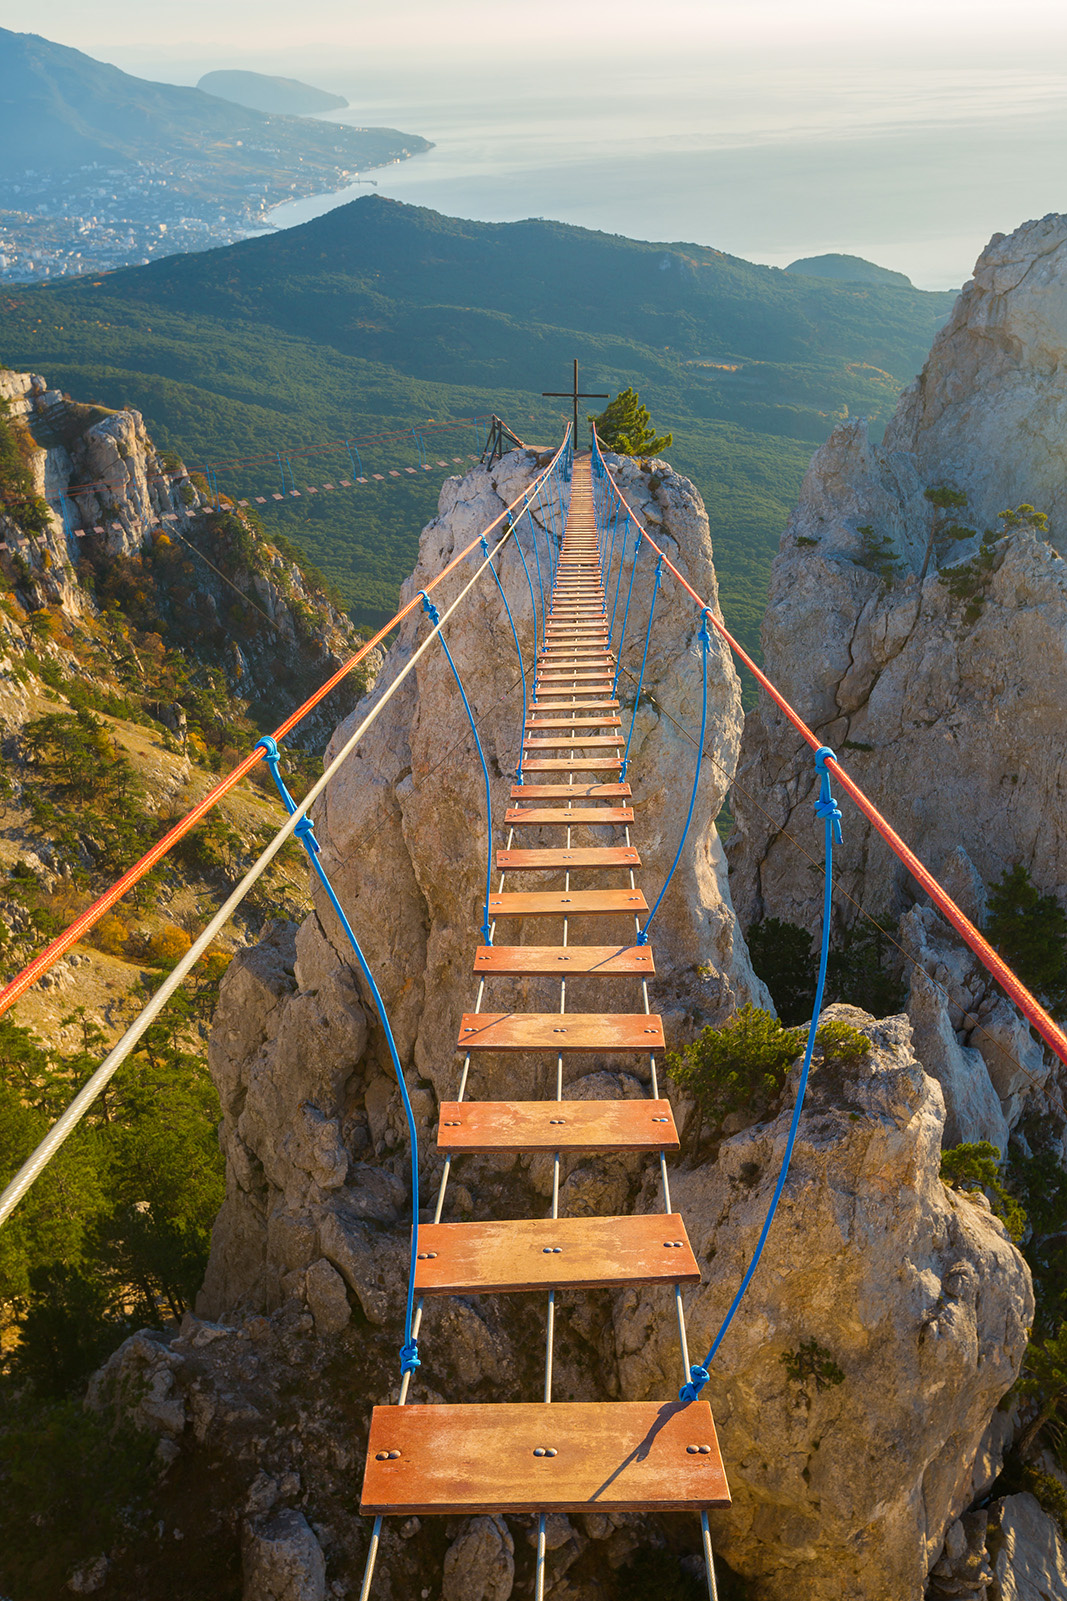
column 574, row 394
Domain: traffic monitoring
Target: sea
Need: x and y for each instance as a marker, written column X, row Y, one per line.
column 913, row 164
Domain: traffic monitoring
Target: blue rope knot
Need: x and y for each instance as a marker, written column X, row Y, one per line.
column 429, row 608
column 485, row 545
column 659, row 574
column 826, row 807
column 305, row 833
column 409, row 1357
column 698, row 1377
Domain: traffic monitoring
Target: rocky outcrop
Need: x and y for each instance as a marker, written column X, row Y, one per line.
column 403, row 837
column 1027, row 1550
column 947, row 707
column 115, row 506
column 844, row 1484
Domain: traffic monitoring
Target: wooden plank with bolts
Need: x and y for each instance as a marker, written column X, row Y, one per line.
column 566, row 903
column 481, row 1127
column 580, row 816
column 505, row 1256
column 595, row 1456
column 569, row 856
column 560, row 1032
column 569, row 791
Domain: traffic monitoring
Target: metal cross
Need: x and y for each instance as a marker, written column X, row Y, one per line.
column 574, row 394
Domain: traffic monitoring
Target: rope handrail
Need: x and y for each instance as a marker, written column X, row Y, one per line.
column 66, row 1123
column 828, row 810
column 92, row 915
column 1028, row 1004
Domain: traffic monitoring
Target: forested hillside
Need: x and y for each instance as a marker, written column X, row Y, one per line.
column 379, row 315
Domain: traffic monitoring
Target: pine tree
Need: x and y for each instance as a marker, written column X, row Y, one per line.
column 625, row 427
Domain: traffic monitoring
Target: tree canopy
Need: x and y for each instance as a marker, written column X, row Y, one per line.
column 625, row 427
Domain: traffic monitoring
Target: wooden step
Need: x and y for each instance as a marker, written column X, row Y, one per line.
column 568, row 857
column 481, row 1127
column 580, row 816
column 570, row 741
column 584, row 705
column 556, row 1031
column 565, row 903
column 576, row 764
column 573, row 722
column 606, row 1456
column 578, row 791
column 508, row 1256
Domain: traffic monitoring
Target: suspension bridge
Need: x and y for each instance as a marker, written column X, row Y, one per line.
column 574, row 773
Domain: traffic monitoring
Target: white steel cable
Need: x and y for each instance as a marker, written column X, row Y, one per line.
column 69, row 1120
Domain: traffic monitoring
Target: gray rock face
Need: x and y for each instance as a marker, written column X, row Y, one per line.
column 913, row 1291
column 480, row 1563
column 282, row 1560
column 988, row 411
column 1029, row 1553
column 313, row 1126
column 950, row 716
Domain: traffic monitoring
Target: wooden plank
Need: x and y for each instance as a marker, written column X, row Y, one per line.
column 570, row 741
column 576, row 764
column 569, row 856
column 609, row 1456
column 565, row 903
column 570, row 791
column 573, row 722
column 555, row 1031
column 584, row 705
column 508, row 1256
column 480, row 1127
column 579, row 816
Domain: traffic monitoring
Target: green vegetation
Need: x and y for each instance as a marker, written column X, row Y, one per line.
column 744, row 1065
column 115, row 1233
column 970, row 580
column 1029, row 930
column 877, row 554
column 812, row 1363
column 377, row 316
column 625, row 427
column 863, row 968
column 977, row 1167
column 18, row 498
column 69, row 1485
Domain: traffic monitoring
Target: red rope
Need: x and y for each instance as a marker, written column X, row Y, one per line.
column 81, row 925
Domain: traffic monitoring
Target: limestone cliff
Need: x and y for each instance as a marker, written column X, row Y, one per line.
column 918, row 1295
column 940, row 691
column 403, row 837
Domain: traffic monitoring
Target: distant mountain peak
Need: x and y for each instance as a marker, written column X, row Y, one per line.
column 848, row 269
column 260, row 92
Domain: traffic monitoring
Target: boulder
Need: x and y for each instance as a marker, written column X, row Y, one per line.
column 843, row 1483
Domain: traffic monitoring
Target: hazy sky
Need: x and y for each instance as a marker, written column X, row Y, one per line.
column 906, row 131
column 134, row 34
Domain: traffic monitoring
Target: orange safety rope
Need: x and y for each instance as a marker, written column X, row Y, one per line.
column 70, row 936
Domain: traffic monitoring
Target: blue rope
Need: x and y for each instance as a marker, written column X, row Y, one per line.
column 622, row 634
column 304, row 831
column 533, row 533
column 606, row 571
column 644, row 657
column 618, row 581
column 518, row 647
column 533, row 603
column 826, row 808
column 435, row 617
column 705, row 643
